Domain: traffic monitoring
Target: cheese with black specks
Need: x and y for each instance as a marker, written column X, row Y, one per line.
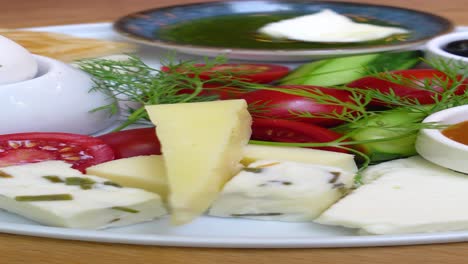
column 282, row 191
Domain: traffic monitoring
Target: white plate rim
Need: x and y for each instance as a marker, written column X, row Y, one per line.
column 241, row 242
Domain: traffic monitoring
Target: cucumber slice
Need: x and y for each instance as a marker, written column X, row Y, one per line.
column 343, row 70
column 377, row 128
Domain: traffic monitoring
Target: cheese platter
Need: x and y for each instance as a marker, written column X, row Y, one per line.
column 211, row 231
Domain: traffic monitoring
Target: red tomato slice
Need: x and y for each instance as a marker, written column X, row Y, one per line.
column 256, row 73
column 407, row 91
column 279, row 130
column 80, row 150
column 223, row 92
column 279, row 105
column 133, row 142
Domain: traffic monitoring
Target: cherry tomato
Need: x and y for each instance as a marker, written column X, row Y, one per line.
column 411, row 91
column 80, row 150
column 255, row 73
column 133, row 142
column 279, row 105
column 279, row 130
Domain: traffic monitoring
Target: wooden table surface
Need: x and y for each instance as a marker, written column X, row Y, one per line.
column 24, row 249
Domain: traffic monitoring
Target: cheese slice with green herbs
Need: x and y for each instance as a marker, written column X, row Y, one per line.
column 54, row 194
column 202, row 144
column 282, row 191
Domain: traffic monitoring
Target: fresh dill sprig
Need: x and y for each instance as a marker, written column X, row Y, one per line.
column 135, row 84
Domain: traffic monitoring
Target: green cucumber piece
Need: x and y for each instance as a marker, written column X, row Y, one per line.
column 377, row 128
column 337, row 71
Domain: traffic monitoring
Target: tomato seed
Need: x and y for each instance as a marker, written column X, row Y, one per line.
column 14, row 144
column 49, row 148
column 67, row 149
column 29, row 144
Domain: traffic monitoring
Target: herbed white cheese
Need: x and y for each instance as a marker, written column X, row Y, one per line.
column 52, row 193
column 282, row 191
column 415, row 196
column 327, row 26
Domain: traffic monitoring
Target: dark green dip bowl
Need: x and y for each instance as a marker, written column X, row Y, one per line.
column 230, row 28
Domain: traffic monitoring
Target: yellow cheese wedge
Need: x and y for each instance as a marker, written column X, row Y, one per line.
column 202, row 144
column 143, row 172
column 345, row 161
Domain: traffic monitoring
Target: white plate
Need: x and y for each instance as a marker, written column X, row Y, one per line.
column 211, row 231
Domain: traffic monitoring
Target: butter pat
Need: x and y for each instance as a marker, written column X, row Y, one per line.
column 202, row 144
column 282, row 191
column 410, row 198
column 327, row 26
column 84, row 201
column 143, row 172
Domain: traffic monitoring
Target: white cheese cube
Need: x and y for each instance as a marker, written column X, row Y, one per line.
column 415, row 196
column 84, row 201
column 282, row 191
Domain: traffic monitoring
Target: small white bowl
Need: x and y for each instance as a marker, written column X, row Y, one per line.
column 432, row 145
column 58, row 99
column 435, row 49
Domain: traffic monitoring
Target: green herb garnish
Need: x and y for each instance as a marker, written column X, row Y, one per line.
column 110, row 183
column 44, row 198
column 84, row 183
column 137, row 82
column 125, row 209
column 256, row 214
column 253, row 170
column 52, row 178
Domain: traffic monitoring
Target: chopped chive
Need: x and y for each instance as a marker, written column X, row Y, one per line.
column 84, row 183
column 259, row 214
column 52, row 178
column 114, row 220
column 254, row 170
column 44, row 198
column 110, row 183
column 125, row 209
column 86, row 186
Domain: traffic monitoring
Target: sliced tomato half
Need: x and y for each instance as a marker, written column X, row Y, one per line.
column 80, row 150
column 221, row 91
column 133, row 142
column 256, row 73
column 281, row 105
column 412, row 90
column 280, row 130
column 249, row 72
